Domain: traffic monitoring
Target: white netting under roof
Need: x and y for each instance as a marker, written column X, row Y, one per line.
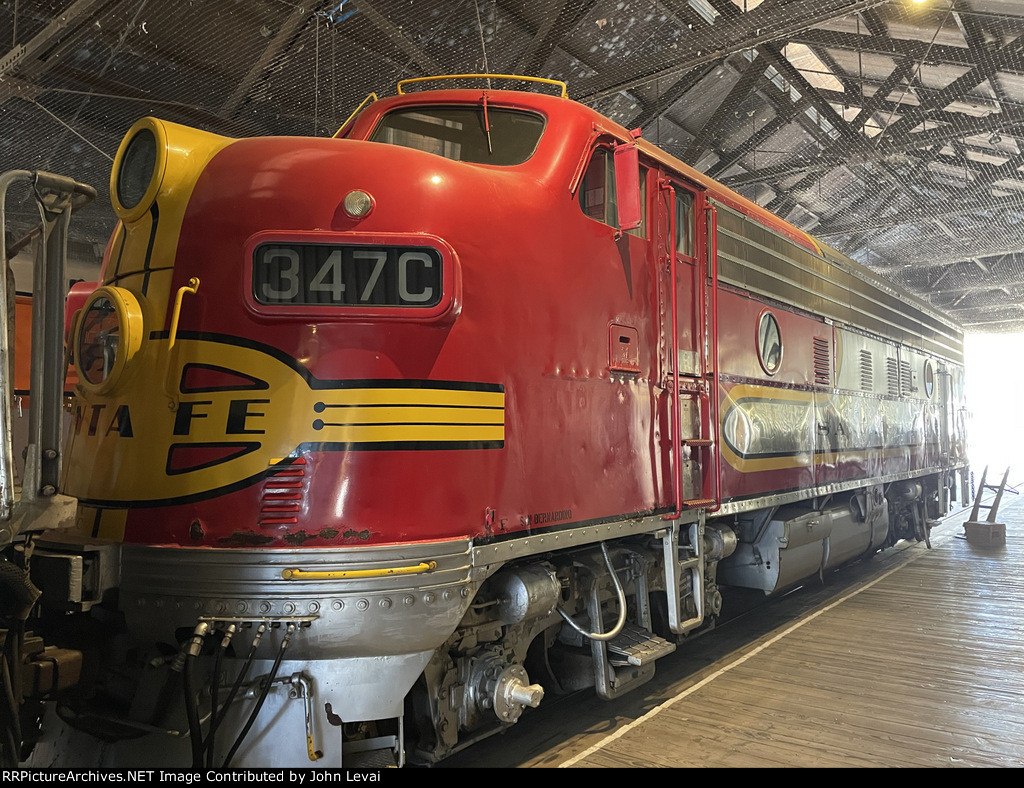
column 889, row 128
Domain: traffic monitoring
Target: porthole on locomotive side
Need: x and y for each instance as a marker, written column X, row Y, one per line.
column 769, row 343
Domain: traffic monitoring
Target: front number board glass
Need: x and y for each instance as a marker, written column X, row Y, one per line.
column 347, row 276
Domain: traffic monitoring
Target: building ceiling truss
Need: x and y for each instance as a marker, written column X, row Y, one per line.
column 891, row 129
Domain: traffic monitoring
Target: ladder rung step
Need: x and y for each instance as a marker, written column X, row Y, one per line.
column 699, row 503
column 637, row 646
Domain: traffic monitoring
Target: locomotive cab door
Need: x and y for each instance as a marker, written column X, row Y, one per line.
column 682, row 231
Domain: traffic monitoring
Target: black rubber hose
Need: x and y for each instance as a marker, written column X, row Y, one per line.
column 262, row 698
column 9, row 720
column 24, row 593
column 214, row 691
column 11, row 659
column 192, row 712
column 217, row 717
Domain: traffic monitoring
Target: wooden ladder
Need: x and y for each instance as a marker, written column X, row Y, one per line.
column 994, row 506
column 987, row 532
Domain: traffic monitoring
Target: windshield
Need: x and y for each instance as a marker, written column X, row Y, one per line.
column 467, row 133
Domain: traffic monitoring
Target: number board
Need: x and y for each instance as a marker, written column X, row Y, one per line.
column 336, row 275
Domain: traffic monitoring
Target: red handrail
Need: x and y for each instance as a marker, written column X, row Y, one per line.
column 715, row 427
column 677, row 443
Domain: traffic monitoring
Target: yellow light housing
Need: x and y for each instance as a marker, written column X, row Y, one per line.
column 138, row 169
column 107, row 335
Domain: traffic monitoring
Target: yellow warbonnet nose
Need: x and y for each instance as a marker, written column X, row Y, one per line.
column 156, row 156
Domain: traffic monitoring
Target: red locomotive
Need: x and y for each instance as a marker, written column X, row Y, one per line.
column 385, row 436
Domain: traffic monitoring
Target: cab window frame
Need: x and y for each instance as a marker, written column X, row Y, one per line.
column 596, row 192
column 685, row 243
column 445, row 145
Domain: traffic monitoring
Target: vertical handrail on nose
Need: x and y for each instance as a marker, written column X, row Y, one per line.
column 57, row 197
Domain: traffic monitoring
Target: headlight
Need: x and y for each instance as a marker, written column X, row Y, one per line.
column 357, row 204
column 108, row 333
column 138, row 169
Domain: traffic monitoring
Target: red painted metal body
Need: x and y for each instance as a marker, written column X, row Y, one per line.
column 533, row 286
column 544, row 438
column 540, row 284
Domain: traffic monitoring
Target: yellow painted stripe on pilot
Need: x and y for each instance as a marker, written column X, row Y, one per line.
column 113, row 523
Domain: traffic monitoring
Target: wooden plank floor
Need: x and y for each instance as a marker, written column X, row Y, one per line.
column 913, row 658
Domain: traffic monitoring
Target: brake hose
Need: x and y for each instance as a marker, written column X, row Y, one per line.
column 263, row 696
column 192, row 650
column 217, row 716
column 604, row 636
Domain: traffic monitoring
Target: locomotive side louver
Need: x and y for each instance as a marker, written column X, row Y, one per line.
column 892, row 373
column 867, row 377
column 822, row 362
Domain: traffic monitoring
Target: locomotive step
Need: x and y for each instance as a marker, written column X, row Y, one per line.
column 699, row 503
column 636, row 646
column 698, row 442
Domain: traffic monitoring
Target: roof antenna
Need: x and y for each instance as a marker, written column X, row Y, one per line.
column 483, row 45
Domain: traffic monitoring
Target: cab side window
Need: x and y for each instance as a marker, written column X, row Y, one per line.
column 685, row 243
column 597, row 192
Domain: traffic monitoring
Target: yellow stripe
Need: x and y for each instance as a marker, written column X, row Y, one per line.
column 397, row 396
column 383, row 414
column 113, row 523
column 410, row 432
column 343, row 574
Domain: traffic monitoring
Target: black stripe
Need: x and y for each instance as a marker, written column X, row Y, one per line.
column 320, row 407
column 316, row 383
column 120, row 252
column 404, row 424
column 149, row 249
column 403, row 446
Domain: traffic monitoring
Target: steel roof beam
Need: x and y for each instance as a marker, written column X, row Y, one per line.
column 286, row 33
column 28, row 62
column 771, row 21
column 895, row 48
column 558, row 22
column 749, row 76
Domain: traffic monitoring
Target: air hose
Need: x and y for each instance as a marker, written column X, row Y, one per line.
column 619, row 591
column 263, row 696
